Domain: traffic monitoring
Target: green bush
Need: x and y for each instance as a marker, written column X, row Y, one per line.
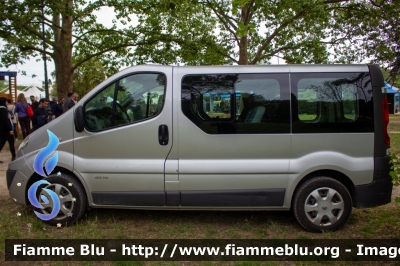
column 395, row 171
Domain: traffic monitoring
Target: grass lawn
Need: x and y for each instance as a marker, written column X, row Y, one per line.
column 394, row 123
column 380, row 222
column 394, row 117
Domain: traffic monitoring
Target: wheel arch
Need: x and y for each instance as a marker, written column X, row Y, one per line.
column 338, row 176
column 36, row 177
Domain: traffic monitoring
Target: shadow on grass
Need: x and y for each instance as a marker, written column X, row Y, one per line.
column 203, row 217
column 199, row 224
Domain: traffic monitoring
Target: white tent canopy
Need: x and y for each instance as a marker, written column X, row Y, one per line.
column 32, row 90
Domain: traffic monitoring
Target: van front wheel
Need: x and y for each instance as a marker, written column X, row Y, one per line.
column 63, row 193
column 322, row 204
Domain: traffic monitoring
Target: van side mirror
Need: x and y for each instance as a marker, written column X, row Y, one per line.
column 79, row 119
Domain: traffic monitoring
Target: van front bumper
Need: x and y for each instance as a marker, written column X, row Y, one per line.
column 379, row 191
column 16, row 184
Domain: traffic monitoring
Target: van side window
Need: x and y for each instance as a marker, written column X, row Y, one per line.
column 332, row 103
column 238, row 103
column 128, row 100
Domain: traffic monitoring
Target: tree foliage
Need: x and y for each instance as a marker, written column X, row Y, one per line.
column 72, row 31
column 388, row 76
column 197, row 32
column 88, row 76
column 371, row 29
column 383, row 42
column 189, row 30
column 247, row 31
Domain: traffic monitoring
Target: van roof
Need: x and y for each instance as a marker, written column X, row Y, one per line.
column 287, row 68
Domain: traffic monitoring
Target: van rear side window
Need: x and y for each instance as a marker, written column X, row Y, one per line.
column 238, row 103
column 321, row 99
column 332, row 103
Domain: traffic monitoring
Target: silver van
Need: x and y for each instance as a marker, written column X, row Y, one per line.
column 310, row 138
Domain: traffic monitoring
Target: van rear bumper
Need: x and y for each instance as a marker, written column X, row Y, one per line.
column 379, row 191
column 374, row 194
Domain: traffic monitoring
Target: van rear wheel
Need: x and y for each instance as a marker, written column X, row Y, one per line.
column 322, row 204
column 69, row 196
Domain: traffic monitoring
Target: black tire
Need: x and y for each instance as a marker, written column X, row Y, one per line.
column 322, row 204
column 73, row 199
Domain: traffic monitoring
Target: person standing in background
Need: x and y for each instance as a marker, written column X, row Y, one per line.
column 6, row 130
column 56, row 109
column 74, row 100
column 14, row 117
column 61, row 103
column 41, row 115
column 23, row 119
column 66, row 102
column 34, row 103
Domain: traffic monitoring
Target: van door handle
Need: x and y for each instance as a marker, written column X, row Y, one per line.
column 163, row 135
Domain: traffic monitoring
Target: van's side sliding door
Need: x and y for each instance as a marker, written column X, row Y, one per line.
column 234, row 138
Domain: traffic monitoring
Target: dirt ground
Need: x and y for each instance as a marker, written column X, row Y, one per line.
column 5, row 156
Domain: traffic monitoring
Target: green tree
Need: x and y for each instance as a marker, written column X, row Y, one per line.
column 71, row 30
column 388, row 76
column 189, row 34
column 88, row 76
column 383, row 42
column 192, row 32
column 372, row 31
column 3, row 84
column 248, row 31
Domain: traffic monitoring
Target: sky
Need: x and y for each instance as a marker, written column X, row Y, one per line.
column 35, row 66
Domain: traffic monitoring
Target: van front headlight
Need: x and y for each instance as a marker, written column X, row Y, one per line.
column 23, row 143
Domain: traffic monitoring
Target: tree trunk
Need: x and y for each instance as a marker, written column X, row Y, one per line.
column 63, row 51
column 243, row 57
column 63, row 68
